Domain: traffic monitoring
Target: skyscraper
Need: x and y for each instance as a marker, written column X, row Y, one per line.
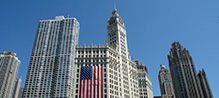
column 9, row 65
column 21, row 92
column 51, row 67
column 17, row 87
column 117, row 40
column 165, row 81
column 183, row 72
column 107, row 71
column 144, row 81
column 206, row 89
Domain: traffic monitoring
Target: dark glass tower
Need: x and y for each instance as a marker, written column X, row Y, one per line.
column 205, row 84
column 182, row 68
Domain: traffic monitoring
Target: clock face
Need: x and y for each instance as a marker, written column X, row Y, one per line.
column 112, row 29
column 122, row 29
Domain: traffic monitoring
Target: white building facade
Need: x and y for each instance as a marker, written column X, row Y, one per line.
column 144, row 81
column 119, row 73
column 9, row 65
column 51, row 68
column 17, row 87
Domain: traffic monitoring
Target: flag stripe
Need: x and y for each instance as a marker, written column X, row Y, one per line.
column 90, row 88
column 92, row 94
column 98, row 82
column 83, row 88
column 94, row 81
column 87, row 89
column 102, row 82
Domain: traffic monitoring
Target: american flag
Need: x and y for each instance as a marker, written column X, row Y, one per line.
column 91, row 82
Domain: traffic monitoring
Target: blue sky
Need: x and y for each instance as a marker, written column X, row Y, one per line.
column 152, row 25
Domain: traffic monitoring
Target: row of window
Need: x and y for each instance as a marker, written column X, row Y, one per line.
column 81, row 56
column 94, row 51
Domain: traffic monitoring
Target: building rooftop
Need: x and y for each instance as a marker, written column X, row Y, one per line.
column 9, row 53
column 162, row 66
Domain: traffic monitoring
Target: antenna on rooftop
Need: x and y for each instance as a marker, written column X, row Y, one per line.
column 114, row 6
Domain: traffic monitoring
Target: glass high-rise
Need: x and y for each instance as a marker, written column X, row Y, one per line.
column 51, row 67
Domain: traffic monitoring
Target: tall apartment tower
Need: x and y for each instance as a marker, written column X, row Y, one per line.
column 206, row 89
column 107, row 71
column 17, row 87
column 20, row 92
column 9, row 65
column 51, row 68
column 165, row 81
column 183, row 72
column 144, row 81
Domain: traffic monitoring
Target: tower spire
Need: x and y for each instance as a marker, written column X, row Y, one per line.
column 115, row 12
column 114, row 5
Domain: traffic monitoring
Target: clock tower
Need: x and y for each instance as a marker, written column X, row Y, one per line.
column 127, row 69
column 119, row 76
column 116, row 34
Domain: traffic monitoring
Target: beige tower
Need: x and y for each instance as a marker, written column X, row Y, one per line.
column 165, row 81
